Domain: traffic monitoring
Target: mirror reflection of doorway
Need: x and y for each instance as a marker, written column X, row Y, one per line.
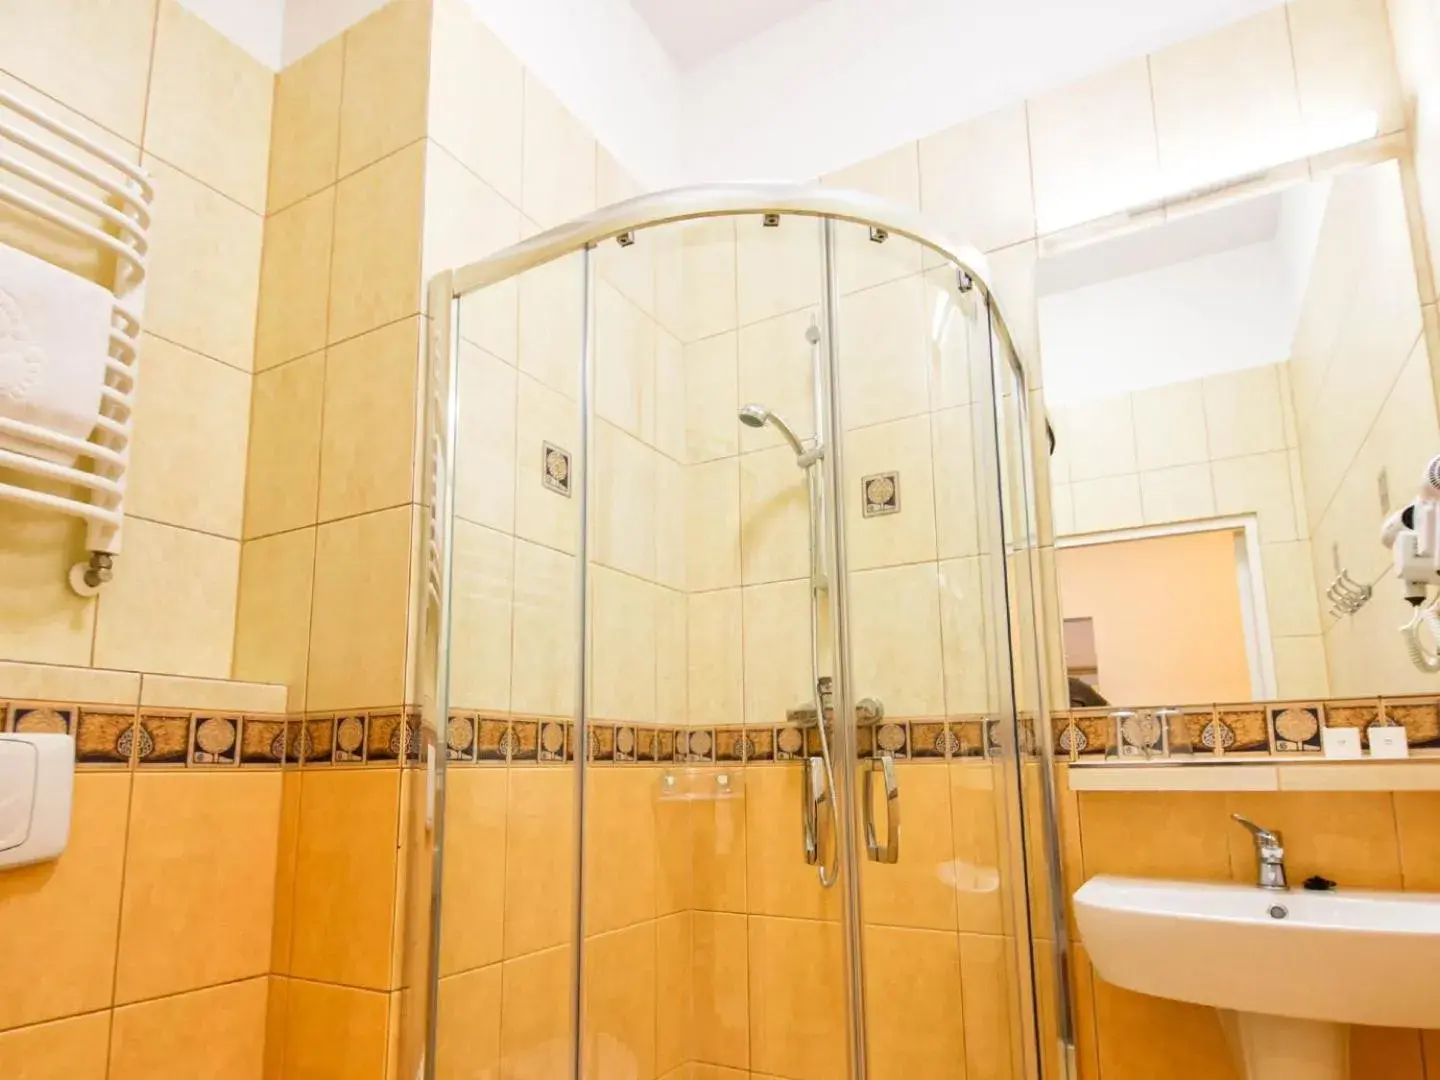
column 1160, row 618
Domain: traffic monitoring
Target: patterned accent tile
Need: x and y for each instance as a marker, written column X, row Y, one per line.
column 762, row 744
column 865, row 741
column 647, row 743
column 1420, row 717
column 789, row 743
column 1138, row 734
column 732, row 744
column 1359, row 715
column 412, row 740
column 928, row 739
column 969, row 738
column 892, row 739
column 881, row 494
column 105, row 736
column 1295, row 727
column 1094, row 727
column 602, row 741
column 296, row 738
column 460, row 737
column 812, row 737
column 625, row 743
column 351, row 735
column 214, row 740
column 1248, row 725
column 491, row 738
column 385, row 738
column 163, row 739
column 524, row 741
column 42, row 718
column 665, row 745
column 262, row 741
column 319, row 741
column 555, row 468
column 701, row 745
column 554, row 740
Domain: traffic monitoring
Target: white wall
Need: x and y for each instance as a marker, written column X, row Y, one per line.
column 849, row 79
column 257, row 26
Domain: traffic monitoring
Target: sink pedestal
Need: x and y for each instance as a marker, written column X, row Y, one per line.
column 1279, row 1048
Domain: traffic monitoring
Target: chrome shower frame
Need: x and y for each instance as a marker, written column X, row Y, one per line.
column 884, row 219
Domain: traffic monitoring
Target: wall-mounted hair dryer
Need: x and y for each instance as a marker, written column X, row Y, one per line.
column 1413, row 535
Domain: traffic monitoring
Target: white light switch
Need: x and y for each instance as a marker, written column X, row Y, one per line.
column 37, row 780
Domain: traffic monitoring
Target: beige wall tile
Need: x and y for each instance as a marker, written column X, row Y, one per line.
column 544, row 416
column 468, row 1027
column 912, row 980
column 204, row 269
column 542, row 680
column 1102, row 505
column 1093, row 146
column 335, row 1032
column 975, row 179
column 193, row 631
column 1300, row 670
column 44, row 682
column 774, row 517
column 903, row 447
column 777, row 651
column 917, row 890
column 777, row 268
column 476, row 95
column 367, row 442
column 209, row 107
column 776, row 371
column 385, row 98
column 958, row 339
column 861, row 263
column 707, row 261
column 345, row 877
column 218, row 695
column 44, row 620
column 282, row 481
column 671, row 527
column 187, row 460
column 778, row 883
column 481, row 616
column 535, row 1031
column 797, row 1012
column 357, row 636
column 272, row 620
column 1169, row 426
column 712, row 525
column 559, row 169
column 715, row 669
column 1243, row 412
column 99, row 67
column 76, row 1048
column 375, row 269
column 1345, row 68
column 305, row 131
column 1259, row 485
column 1290, row 589
column 73, row 905
column 897, row 652
column 712, row 398
column 629, row 269
column 883, row 358
column 669, row 395
column 552, row 322
column 622, row 644
column 295, row 281
column 624, row 364
column 1226, row 103
column 219, row 1032
column 674, row 991
column 722, row 992
column 1183, row 493
column 473, row 892
column 965, row 636
column 672, row 658
column 953, row 436
column 200, row 860
column 623, row 489
column 620, row 847
column 539, row 831
column 1099, row 436
column 1012, row 280
column 466, row 220
column 1063, row 509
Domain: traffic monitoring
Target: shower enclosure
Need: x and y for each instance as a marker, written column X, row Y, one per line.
column 731, row 679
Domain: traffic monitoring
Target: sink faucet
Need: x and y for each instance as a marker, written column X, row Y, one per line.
column 1270, row 852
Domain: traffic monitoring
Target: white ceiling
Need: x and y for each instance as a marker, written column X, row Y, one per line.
column 695, row 30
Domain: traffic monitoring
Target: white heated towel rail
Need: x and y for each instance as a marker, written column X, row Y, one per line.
column 104, row 200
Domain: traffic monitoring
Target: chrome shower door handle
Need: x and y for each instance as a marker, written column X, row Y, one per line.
column 812, row 797
column 889, row 852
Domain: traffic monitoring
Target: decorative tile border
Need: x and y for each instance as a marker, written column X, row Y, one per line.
column 1278, row 729
column 126, row 737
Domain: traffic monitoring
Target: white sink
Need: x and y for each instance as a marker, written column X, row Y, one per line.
column 1287, row 969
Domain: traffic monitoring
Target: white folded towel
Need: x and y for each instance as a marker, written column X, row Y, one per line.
column 54, row 338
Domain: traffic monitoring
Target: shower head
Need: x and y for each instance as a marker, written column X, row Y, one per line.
column 757, row 416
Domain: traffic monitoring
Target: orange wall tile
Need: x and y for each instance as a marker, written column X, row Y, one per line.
column 216, row 1033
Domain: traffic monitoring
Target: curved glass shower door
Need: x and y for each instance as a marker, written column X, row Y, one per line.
column 756, row 740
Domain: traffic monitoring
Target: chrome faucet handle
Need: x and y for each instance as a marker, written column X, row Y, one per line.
column 1263, row 836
